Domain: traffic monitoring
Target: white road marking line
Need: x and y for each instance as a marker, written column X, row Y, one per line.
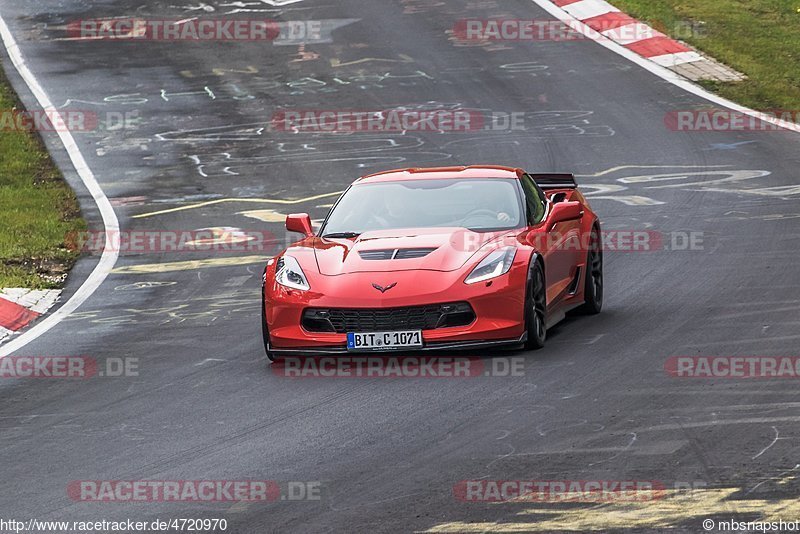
column 109, row 256
column 658, row 70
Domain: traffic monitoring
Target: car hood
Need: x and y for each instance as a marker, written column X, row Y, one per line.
column 433, row 249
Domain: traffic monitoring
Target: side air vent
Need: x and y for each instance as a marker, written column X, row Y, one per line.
column 395, row 254
column 573, row 286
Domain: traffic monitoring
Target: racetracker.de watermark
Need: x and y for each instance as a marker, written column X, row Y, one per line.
column 619, row 29
column 192, row 29
column 129, row 242
column 396, row 120
column 725, row 120
column 736, row 367
column 376, row 366
column 48, row 120
column 67, row 367
column 611, row 241
column 586, row 491
column 193, row 490
column 66, row 120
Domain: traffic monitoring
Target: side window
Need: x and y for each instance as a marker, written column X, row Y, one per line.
column 534, row 199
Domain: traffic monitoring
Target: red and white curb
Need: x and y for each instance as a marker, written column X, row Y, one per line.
column 643, row 40
column 20, row 307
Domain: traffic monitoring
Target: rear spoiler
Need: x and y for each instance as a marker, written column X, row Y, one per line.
column 549, row 181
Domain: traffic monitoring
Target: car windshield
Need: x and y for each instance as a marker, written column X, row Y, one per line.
column 477, row 204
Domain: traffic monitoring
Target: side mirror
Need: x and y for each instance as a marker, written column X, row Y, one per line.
column 300, row 223
column 565, row 211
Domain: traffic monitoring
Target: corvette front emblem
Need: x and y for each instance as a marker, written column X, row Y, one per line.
column 384, row 289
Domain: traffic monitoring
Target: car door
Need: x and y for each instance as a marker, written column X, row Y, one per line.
column 559, row 245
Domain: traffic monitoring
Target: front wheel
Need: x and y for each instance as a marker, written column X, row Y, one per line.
column 593, row 284
column 265, row 331
column 536, row 309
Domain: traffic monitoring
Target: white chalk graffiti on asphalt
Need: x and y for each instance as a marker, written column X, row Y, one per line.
column 603, row 192
column 412, row 7
column 260, row 86
column 280, row 3
column 737, row 178
column 204, row 310
column 363, row 150
column 143, row 285
column 718, row 178
column 241, row 6
column 527, row 66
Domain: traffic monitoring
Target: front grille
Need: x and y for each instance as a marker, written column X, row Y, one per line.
column 395, row 253
column 343, row 320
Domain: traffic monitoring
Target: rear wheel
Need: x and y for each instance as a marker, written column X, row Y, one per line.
column 536, row 309
column 593, row 285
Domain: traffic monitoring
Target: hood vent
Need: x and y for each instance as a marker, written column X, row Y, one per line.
column 395, row 254
column 410, row 253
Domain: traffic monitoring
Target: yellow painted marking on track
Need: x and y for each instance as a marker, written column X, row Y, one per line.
column 403, row 59
column 188, row 265
column 676, row 508
column 246, row 200
column 264, row 215
column 222, row 72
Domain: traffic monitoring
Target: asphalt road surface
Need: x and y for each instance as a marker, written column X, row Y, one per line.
column 595, row 404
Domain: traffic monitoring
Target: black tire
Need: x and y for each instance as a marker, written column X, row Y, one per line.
column 536, row 308
column 265, row 331
column 593, row 281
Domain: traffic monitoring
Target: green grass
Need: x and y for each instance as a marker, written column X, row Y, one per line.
column 37, row 209
column 760, row 38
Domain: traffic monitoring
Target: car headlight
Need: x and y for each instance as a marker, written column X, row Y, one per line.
column 289, row 274
column 495, row 264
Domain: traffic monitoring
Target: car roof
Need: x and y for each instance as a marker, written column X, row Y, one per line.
column 443, row 173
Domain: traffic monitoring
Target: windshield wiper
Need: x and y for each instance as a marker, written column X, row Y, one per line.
column 342, row 235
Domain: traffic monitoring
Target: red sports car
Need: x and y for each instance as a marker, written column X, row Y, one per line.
column 437, row 258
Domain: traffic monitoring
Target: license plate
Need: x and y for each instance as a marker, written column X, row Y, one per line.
column 384, row 340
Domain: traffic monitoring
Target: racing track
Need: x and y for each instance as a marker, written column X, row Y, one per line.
column 595, row 404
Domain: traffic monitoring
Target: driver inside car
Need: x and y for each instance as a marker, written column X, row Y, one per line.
column 395, row 212
column 499, row 205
